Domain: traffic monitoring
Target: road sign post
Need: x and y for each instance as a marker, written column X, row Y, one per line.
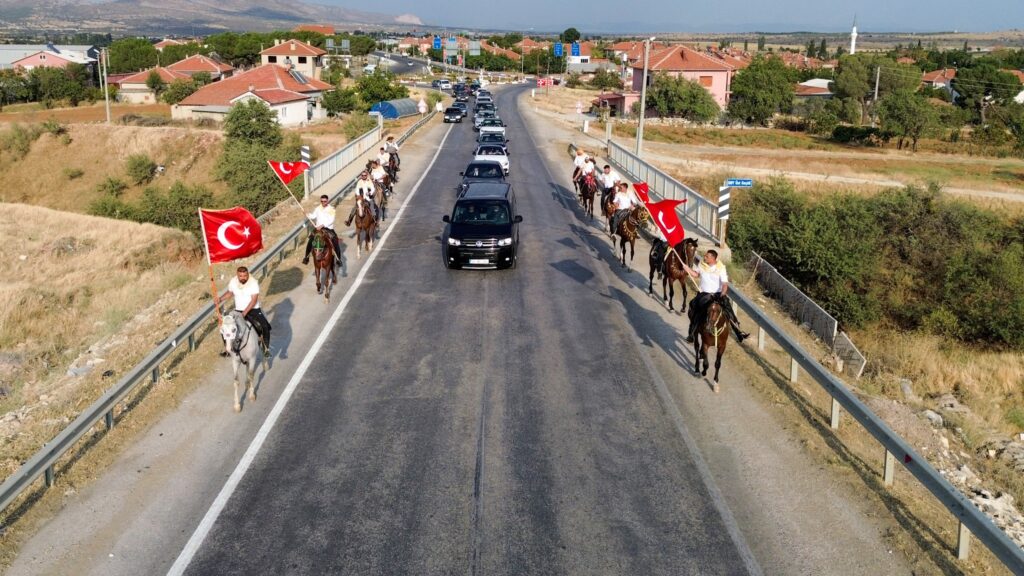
column 723, row 203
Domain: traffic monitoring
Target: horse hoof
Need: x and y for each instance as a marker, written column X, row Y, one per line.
column 252, row 396
column 715, row 388
column 704, row 373
column 238, row 407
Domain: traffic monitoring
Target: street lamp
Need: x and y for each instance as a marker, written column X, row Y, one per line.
column 643, row 98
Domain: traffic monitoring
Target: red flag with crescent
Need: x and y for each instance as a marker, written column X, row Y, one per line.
column 664, row 215
column 642, row 191
column 288, row 171
column 230, row 234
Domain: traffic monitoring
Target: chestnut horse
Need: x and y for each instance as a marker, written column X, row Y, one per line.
column 323, row 263
column 588, row 189
column 714, row 332
column 366, row 226
column 669, row 266
column 384, row 189
column 628, row 230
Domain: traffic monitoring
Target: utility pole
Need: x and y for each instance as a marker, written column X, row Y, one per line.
column 643, row 98
column 104, row 65
column 874, row 102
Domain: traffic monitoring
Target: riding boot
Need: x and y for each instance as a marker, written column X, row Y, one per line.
column 337, row 249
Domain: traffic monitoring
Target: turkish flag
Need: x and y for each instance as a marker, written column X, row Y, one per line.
column 288, row 171
column 642, row 191
column 664, row 215
column 230, row 234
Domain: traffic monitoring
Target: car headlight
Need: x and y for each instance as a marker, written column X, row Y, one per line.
column 504, row 242
column 454, row 242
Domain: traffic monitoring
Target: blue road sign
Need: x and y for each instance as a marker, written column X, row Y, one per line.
column 575, row 48
column 739, row 183
column 558, row 49
column 437, row 42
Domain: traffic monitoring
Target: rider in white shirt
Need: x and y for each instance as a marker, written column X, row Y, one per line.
column 383, row 158
column 609, row 180
column 577, row 163
column 624, row 202
column 391, row 147
column 713, row 281
column 323, row 218
column 366, row 190
column 245, row 292
column 588, row 166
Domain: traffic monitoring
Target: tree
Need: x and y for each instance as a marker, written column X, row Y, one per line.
column 51, row 84
column 682, row 98
column 175, row 52
column 760, row 43
column 907, row 116
column 606, row 80
column 253, row 121
column 132, row 55
column 380, row 86
column 155, row 83
column 202, row 78
column 13, row 87
column 570, row 35
column 853, row 80
column 340, row 101
column 823, row 50
column 761, row 90
column 1012, row 115
column 178, row 90
column 746, row 45
column 812, row 49
column 984, row 85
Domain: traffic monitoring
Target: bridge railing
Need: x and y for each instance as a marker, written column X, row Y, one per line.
column 44, row 462
column 326, row 168
column 971, row 520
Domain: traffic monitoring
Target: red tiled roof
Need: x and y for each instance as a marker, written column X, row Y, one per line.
column 325, row 29
column 682, row 58
column 167, row 42
column 200, row 63
column 498, row 50
column 939, row 76
column 804, row 90
column 799, row 61
column 166, row 75
column 274, row 95
column 293, row 47
column 905, row 60
column 1017, row 73
column 269, row 76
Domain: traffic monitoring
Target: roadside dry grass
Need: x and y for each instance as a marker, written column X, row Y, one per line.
column 83, row 113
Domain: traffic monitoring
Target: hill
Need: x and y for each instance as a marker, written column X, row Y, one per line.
column 168, row 17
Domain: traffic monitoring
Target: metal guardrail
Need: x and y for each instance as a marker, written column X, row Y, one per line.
column 700, row 211
column 971, row 519
column 794, row 300
column 43, row 462
column 322, row 171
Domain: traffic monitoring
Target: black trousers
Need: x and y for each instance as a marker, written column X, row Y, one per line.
column 334, row 242
column 604, row 195
column 261, row 324
column 699, row 309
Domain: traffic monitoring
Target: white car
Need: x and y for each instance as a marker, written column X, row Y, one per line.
column 492, row 129
column 494, row 153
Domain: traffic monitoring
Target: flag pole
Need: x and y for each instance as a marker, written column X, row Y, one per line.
column 209, row 263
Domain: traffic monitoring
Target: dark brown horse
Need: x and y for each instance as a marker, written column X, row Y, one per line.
column 628, row 230
column 323, row 263
column 384, row 189
column 714, row 332
column 588, row 189
column 669, row 266
column 392, row 167
column 366, row 226
column 608, row 209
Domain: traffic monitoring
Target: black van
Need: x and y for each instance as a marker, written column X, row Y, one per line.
column 483, row 229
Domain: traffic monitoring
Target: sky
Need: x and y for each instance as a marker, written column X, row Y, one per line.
column 635, row 16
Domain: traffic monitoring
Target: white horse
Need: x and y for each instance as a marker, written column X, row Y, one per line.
column 242, row 343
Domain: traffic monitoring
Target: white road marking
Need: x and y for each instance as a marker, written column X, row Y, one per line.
column 206, row 524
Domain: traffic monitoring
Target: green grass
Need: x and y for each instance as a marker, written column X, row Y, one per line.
column 1015, row 416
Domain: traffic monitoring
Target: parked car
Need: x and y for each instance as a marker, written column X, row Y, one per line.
column 492, row 152
column 452, row 114
column 483, row 228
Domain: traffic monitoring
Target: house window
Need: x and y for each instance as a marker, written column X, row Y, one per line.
column 272, row 59
column 302, row 59
column 706, row 81
column 284, row 111
column 42, row 56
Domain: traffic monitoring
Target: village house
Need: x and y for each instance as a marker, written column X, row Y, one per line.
column 294, row 97
column 325, row 29
column 50, row 59
column 714, row 74
column 295, row 55
column 814, row 88
column 199, row 63
column 133, row 89
column 167, row 42
column 81, row 54
column 941, row 79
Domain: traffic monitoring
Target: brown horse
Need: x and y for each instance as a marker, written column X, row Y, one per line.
column 685, row 251
column 628, row 230
column 323, row 263
column 714, row 332
column 384, row 189
column 366, row 226
column 588, row 189
column 609, row 210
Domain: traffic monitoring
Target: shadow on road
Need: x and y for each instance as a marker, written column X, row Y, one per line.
column 285, row 280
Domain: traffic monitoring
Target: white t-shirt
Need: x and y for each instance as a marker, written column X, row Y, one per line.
column 243, row 293
column 378, row 173
column 391, row 148
column 610, row 179
column 365, row 188
column 323, row 216
column 623, row 201
column 579, row 160
column 384, row 158
column 712, row 277
column 588, row 168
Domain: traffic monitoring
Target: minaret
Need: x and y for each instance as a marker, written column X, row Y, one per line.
column 853, row 36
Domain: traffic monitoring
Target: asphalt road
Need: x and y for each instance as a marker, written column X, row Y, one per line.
column 463, row 422
column 401, row 66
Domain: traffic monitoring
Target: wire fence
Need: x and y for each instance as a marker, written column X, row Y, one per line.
column 322, row 171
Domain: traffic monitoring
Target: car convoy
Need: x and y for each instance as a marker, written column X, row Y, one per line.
column 482, row 231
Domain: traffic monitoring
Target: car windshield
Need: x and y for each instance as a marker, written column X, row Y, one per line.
column 453, row 111
column 481, row 212
column 489, row 151
column 484, row 171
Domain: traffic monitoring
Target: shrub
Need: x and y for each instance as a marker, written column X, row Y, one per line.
column 17, row 141
column 433, row 98
column 857, row 135
column 140, row 168
column 175, row 208
column 73, row 173
column 179, row 90
column 111, row 187
column 51, row 126
column 357, row 125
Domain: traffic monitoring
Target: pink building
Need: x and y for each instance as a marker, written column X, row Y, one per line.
column 47, row 59
column 710, row 71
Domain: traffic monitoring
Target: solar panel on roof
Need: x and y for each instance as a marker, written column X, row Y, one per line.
column 298, row 76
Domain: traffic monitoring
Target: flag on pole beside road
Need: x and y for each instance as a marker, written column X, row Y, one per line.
column 288, row 171
column 664, row 215
column 230, row 234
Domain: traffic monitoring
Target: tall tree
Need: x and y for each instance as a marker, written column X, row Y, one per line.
column 13, row 87
column 812, row 49
column 984, row 85
column 681, row 98
column 570, row 35
column 761, row 90
column 823, row 50
column 746, row 45
column 132, row 55
column 906, row 115
column 760, row 43
column 853, row 80
column 155, row 83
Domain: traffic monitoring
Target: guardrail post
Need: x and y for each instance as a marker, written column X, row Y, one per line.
column 761, row 337
column 108, row 419
column 49, row 478
column 834, row 423
column 890, row 468
column 191, row 342
column 794, row 369
column 155, row 375
column 963, row 542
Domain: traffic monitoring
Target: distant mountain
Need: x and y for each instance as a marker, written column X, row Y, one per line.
column 163, row 17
